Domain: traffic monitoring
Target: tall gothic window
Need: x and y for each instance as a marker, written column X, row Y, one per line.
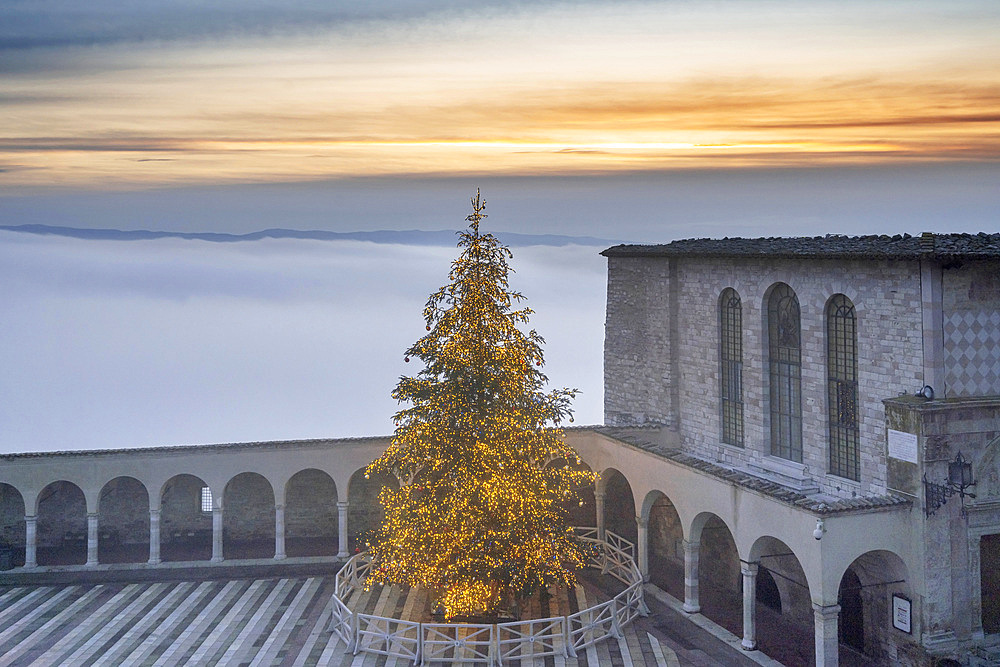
column 731, row 366
column 785, row 372
column 842, row 386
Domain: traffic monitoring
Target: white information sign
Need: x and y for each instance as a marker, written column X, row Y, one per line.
column 903, row 446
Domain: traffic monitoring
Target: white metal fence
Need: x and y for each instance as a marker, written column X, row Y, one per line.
column 493, row 644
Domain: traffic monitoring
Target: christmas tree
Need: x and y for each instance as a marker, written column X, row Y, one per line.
column 479, row 518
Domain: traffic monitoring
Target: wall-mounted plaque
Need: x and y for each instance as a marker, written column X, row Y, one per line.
column 902, row 445
column 901, row 613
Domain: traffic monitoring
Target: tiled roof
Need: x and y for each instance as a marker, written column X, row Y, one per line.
column 201, row 449
column 831, row 246
column 819, row 504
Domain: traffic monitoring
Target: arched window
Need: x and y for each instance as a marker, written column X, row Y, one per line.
column 785, row 372
column 842, row 386
column 731, row 366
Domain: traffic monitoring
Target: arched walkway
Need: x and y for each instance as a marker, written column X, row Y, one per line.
column 782, row 608
column 666, row 545
column 311, row 514
column 12, row 529
column 123, row 522
column 720, row 582
column 619, row 505
column 248, row 517
column 62, row 525
column 365, row 513
column 185, row 527
column 866, row 596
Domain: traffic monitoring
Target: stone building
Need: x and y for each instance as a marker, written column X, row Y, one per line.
column 764, row 449
column 833, row 376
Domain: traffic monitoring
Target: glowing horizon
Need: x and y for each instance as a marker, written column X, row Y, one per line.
column 551, row 89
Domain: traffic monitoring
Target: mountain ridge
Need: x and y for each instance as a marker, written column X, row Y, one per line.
column 444, row 237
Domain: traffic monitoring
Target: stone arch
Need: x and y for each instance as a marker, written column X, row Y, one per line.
column 720, row 582
column 785, row 629
column 581, row 510
column 185, row 530
column 365, row 512
column 248, row 517
column 665, row 536
column 123, row 521
column 619, row 504
column 62, row 524
column 868, row 586
column 12, row 527
column 311, row 514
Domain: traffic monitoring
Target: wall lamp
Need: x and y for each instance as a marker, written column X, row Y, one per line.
column 959, row 479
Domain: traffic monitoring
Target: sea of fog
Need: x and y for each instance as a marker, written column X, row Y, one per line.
column 112, row 344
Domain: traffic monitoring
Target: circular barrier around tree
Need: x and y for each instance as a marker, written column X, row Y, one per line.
column 492, row 643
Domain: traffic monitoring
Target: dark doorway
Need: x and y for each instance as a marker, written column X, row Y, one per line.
column 989, row 577
column 852, row 615
column 767, row 591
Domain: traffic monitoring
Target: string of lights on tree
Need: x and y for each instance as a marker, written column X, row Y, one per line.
column 480, row 518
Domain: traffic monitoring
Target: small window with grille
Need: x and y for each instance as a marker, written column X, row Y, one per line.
column 206, row 499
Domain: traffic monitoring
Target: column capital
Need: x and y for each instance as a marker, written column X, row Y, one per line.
column 826, row 611
column 343, row 504
column 30, row 517
column 91, row 515
column 642, row 522
column 279, row 506
column 749, row 568
column 154, row 511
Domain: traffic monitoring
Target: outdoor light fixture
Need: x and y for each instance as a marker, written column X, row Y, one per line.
column 820, row 529
column 926, row 392
column 959, row 479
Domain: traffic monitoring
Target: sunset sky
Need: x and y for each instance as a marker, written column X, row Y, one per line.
column 110, row 95
column 626, row 121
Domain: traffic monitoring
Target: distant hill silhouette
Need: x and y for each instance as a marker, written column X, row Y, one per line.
column 444, row 237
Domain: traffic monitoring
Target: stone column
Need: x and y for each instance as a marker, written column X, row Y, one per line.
column 154, row 536
column 342, row 528
column 279, row 532
column 827, row 641
column 749, row 570
column 599, row 511
column 691, row 604
column 30, row 541
column 216, row 534
column 91, row 539
column 643, row 546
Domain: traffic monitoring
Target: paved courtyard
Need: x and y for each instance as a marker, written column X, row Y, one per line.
column 276, row 621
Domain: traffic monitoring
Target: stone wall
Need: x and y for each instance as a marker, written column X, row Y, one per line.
column 180, row 510
column 636, row 343
column 887, row 300
column 62, row 515
column 12, row 532
column 248, row 509
column 971, row 313
column 311, row 506
column 123, row 512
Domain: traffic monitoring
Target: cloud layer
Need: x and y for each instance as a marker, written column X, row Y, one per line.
column 115, row 344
